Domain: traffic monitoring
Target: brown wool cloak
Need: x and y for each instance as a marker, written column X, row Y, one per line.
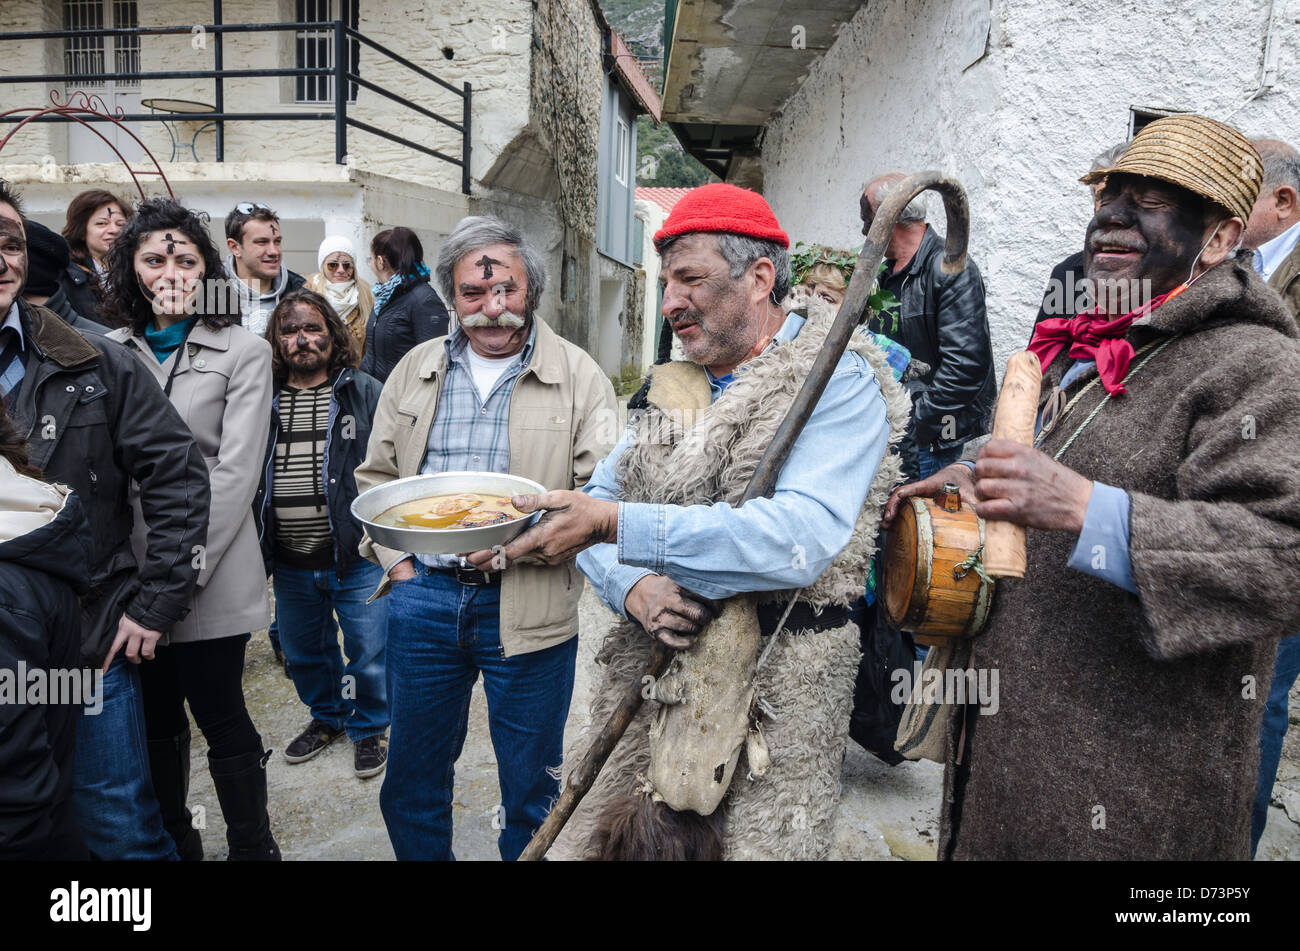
column 1129, row 725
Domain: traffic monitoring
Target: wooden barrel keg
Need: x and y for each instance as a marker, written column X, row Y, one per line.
column 927, row 588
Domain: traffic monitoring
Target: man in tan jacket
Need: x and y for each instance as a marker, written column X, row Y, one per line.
column 501, row 393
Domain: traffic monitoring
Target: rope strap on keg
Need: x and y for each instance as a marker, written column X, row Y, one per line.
column 974, row 562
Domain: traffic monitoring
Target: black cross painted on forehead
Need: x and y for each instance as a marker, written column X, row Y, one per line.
column 486, row 263
column 171, row 243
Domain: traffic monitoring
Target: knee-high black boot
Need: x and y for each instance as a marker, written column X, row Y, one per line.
column 241, row 789
column 169, row 764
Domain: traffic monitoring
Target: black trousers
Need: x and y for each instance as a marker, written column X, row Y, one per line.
column 208, row 674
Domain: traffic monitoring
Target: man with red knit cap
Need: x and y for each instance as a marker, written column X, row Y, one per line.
column 665, row 540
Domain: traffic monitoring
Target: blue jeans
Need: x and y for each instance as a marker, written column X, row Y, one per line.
column 112, row 792
column 441, row 634
column 932, row 462
column 1272, row 730
column 305, row 604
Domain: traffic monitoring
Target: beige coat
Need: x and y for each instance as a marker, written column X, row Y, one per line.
column 222, row 389
column 1286, row 280
column 355, row 319
column 562, row 422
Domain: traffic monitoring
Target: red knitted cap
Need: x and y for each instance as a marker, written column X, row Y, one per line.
column 723, row 207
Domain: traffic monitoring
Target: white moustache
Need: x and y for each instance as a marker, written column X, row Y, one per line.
column 505, row 319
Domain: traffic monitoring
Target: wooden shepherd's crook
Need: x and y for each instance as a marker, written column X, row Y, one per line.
column 1004, row 542
column 764, row 478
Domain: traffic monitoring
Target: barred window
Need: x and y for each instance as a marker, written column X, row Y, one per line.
column 126, row 49
column 314, row 49
column 85, row 57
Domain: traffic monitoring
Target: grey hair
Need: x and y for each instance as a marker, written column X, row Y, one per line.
column 740, row 251
column 481, row 231
column 915, row 210
column 1108, row 158
column 1281, row 164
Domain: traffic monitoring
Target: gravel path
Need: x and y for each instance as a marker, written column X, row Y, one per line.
column 320, row 810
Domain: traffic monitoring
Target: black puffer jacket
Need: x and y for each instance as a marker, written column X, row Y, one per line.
column 353, row 401
column 415, row 313
column 42, row 570
column 95, row 419
column 942, row 321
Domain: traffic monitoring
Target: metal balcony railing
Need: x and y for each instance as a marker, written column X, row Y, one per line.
column 341, row 75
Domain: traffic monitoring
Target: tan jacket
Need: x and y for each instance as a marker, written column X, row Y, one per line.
column 222, row 389
column 562, row 422
column 1286, row 280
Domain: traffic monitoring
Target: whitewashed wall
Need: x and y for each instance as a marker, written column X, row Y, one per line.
column 310, row 204
column 489, row 45
column 1020, row 123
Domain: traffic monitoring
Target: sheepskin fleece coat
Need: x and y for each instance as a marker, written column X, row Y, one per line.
column 806, row 682
column 1128, row 725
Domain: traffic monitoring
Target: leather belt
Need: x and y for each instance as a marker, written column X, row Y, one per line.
column 471, row 576
column 803, row 619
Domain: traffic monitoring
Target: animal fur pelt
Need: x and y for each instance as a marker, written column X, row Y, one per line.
column 639, row 828
column 705, row 699
column 807, row 680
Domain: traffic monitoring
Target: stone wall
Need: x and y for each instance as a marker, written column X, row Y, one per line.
column 1014, row 98
column 565, row 103
column 30, row 58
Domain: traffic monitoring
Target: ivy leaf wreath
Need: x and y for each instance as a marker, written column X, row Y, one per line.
column 880, row 302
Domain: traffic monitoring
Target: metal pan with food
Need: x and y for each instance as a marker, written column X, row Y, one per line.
column 448, row 513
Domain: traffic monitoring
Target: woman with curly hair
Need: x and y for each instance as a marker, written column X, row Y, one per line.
column 94, row 220
column 175, row 310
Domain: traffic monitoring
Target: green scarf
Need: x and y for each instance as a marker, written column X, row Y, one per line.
column 163, row 342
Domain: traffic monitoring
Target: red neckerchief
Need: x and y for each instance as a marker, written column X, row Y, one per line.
column 1091, row 336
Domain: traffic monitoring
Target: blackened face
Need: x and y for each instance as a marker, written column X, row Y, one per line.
column 1145, row 233
column 305, row 340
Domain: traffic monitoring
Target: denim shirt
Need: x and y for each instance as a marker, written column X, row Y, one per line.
column 785, row 541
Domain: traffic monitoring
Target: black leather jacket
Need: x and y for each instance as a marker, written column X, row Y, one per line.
column 95, row 419
column 415, row 313
column 942, row 321
column 352, row 411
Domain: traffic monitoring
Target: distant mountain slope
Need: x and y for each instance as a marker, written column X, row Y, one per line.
column 660, row 159
column 641, row 23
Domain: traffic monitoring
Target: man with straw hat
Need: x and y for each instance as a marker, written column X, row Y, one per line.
column 1135, row 654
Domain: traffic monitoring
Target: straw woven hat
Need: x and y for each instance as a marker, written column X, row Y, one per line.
column 1203, row 155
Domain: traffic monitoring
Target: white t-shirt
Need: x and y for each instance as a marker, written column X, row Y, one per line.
column 486, row 371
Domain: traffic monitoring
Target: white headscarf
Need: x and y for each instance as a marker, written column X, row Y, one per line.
column 342, row 295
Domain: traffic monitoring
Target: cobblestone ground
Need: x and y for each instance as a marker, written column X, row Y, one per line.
column 320, row 810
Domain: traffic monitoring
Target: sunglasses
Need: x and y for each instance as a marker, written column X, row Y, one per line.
column 248, row 207
column 338, row 265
